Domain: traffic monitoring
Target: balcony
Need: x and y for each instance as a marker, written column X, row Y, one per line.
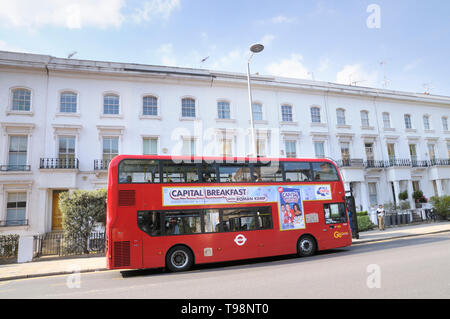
column 397, row 162
column 374, row 164
column 101, row 165
column 58, row 163
column 15, row 168
column 439, row 162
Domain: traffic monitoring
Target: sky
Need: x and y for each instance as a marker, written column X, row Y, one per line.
column 398, row 45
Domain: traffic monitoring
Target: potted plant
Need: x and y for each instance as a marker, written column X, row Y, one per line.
column 419, row 198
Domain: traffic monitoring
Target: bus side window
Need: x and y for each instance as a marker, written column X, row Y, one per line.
column 139, row 171
column 324, row 172
column 297, row 171
column 230, row 173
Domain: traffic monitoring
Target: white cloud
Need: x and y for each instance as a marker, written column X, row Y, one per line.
column 155, row 8
column 267, row 39
column 282, row 19
column 70, row 14
column 4, row 46
column 291, row 68
column 355, row 74
column 165, row 51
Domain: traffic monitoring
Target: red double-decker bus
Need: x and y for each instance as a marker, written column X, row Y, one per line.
column 173, row 212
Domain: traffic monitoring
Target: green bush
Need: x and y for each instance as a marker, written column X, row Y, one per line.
column 363, row 213
column 403, row 195
column 364, row 223
column 441, row 205
column 81, row 211
column 9, row 245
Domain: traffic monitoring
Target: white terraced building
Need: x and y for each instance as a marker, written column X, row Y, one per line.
column 62, row 120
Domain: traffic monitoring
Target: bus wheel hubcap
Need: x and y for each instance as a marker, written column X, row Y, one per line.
column 305, row 246
column 179, row 259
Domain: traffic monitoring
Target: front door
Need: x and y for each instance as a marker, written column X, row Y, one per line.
column 56, row 212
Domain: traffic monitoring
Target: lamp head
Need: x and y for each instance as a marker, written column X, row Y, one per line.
column 256, row 48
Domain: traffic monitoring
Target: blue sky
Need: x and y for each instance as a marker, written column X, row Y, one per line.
column 408, row 49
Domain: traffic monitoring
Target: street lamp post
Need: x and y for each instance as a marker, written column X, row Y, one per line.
column 255, row 48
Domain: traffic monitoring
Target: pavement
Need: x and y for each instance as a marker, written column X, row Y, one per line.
column 60, row 266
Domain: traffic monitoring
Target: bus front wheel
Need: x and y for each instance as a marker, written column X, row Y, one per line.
column 179, row 258
column 306, row 246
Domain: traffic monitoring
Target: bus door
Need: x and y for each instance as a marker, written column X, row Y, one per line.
column 336, row 228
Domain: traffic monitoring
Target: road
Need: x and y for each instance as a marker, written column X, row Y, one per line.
column 416, row 267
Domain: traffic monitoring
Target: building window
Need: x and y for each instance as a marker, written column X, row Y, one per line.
column 319, row 149
column 340, row 115
column 413, row 152
column 373, row 199
column 17, row 157
column 223, row 110
column 66, row 150
column 431, row 152
column 386, row 120
column 345, row 152
column 111, row 104
column 391, row 151
column 408, row 124
column 286, row 113
column 150, row 146
column 448, row 150
column 189, row 147
column 68, row 102
column 426, row 122
column 187, row 107
column 110, row 148
column 257, row 112
column 21, row 100
column 226, row 147
column 444, row 123
column 370, row 157
column 315, row 114
column 364, row 118
column 261, row 147
column 149, row 105
column 291, row 151
column 16, row 209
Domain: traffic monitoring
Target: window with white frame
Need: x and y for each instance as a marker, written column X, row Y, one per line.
column 413, row 152
column 226, row 147
column 17, row 156
column 286, row 113
column 110, row 147
column 150, row 145
column 16, row 209
column 261, row 147
column 110, row 104
column 444, row 123
column 188, row 107
column 345, row 152
column 340, row 116
column 431, row 151
column 448, row 149
column 426, row 122
column 150, row 105
column 364, row 119
column 408, row 124
column 391, row 151
column 386, row 120
column 373, row 198
column 319, row 149
column 66, row 151
column 257, row 111
column 291, row 149
column 315, row 114
column 21, row 100
column 68, row 102
column 189, row 145
column 223, row 110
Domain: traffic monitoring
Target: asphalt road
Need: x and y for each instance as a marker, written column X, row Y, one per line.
column 416, row 267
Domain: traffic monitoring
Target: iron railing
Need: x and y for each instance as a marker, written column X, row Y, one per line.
column 101, row 164
column 8, row 168
column 59, row 244
column 59, row 163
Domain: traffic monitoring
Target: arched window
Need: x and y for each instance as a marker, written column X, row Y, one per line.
column 315, row 114
column 188, row 107
column 21, row 100
column 110, row 104
column 68, row 102
column 150, row 105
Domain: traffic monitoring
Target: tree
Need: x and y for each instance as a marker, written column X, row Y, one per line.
column 81, row 211
column 441, row 205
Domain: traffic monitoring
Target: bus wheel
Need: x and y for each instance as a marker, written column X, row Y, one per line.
column 306, row 246
column 179, row 258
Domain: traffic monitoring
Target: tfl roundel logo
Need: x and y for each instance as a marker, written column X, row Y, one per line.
column 240, row 240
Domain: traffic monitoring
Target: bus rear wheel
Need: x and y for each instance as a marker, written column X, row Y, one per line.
column 306, row 246
column 179, row 258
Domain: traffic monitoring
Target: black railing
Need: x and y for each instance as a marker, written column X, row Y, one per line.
column 394, row 162
column 439, row 162
column 59, row 163
column 8, row 168
column 13, row 222
column 59, row 244
column 417, row 163
column 101, row 164
column 374, row 164
column 353, row 162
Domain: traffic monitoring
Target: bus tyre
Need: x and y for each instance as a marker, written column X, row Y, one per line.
column 179, row 258
column 306, row 246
